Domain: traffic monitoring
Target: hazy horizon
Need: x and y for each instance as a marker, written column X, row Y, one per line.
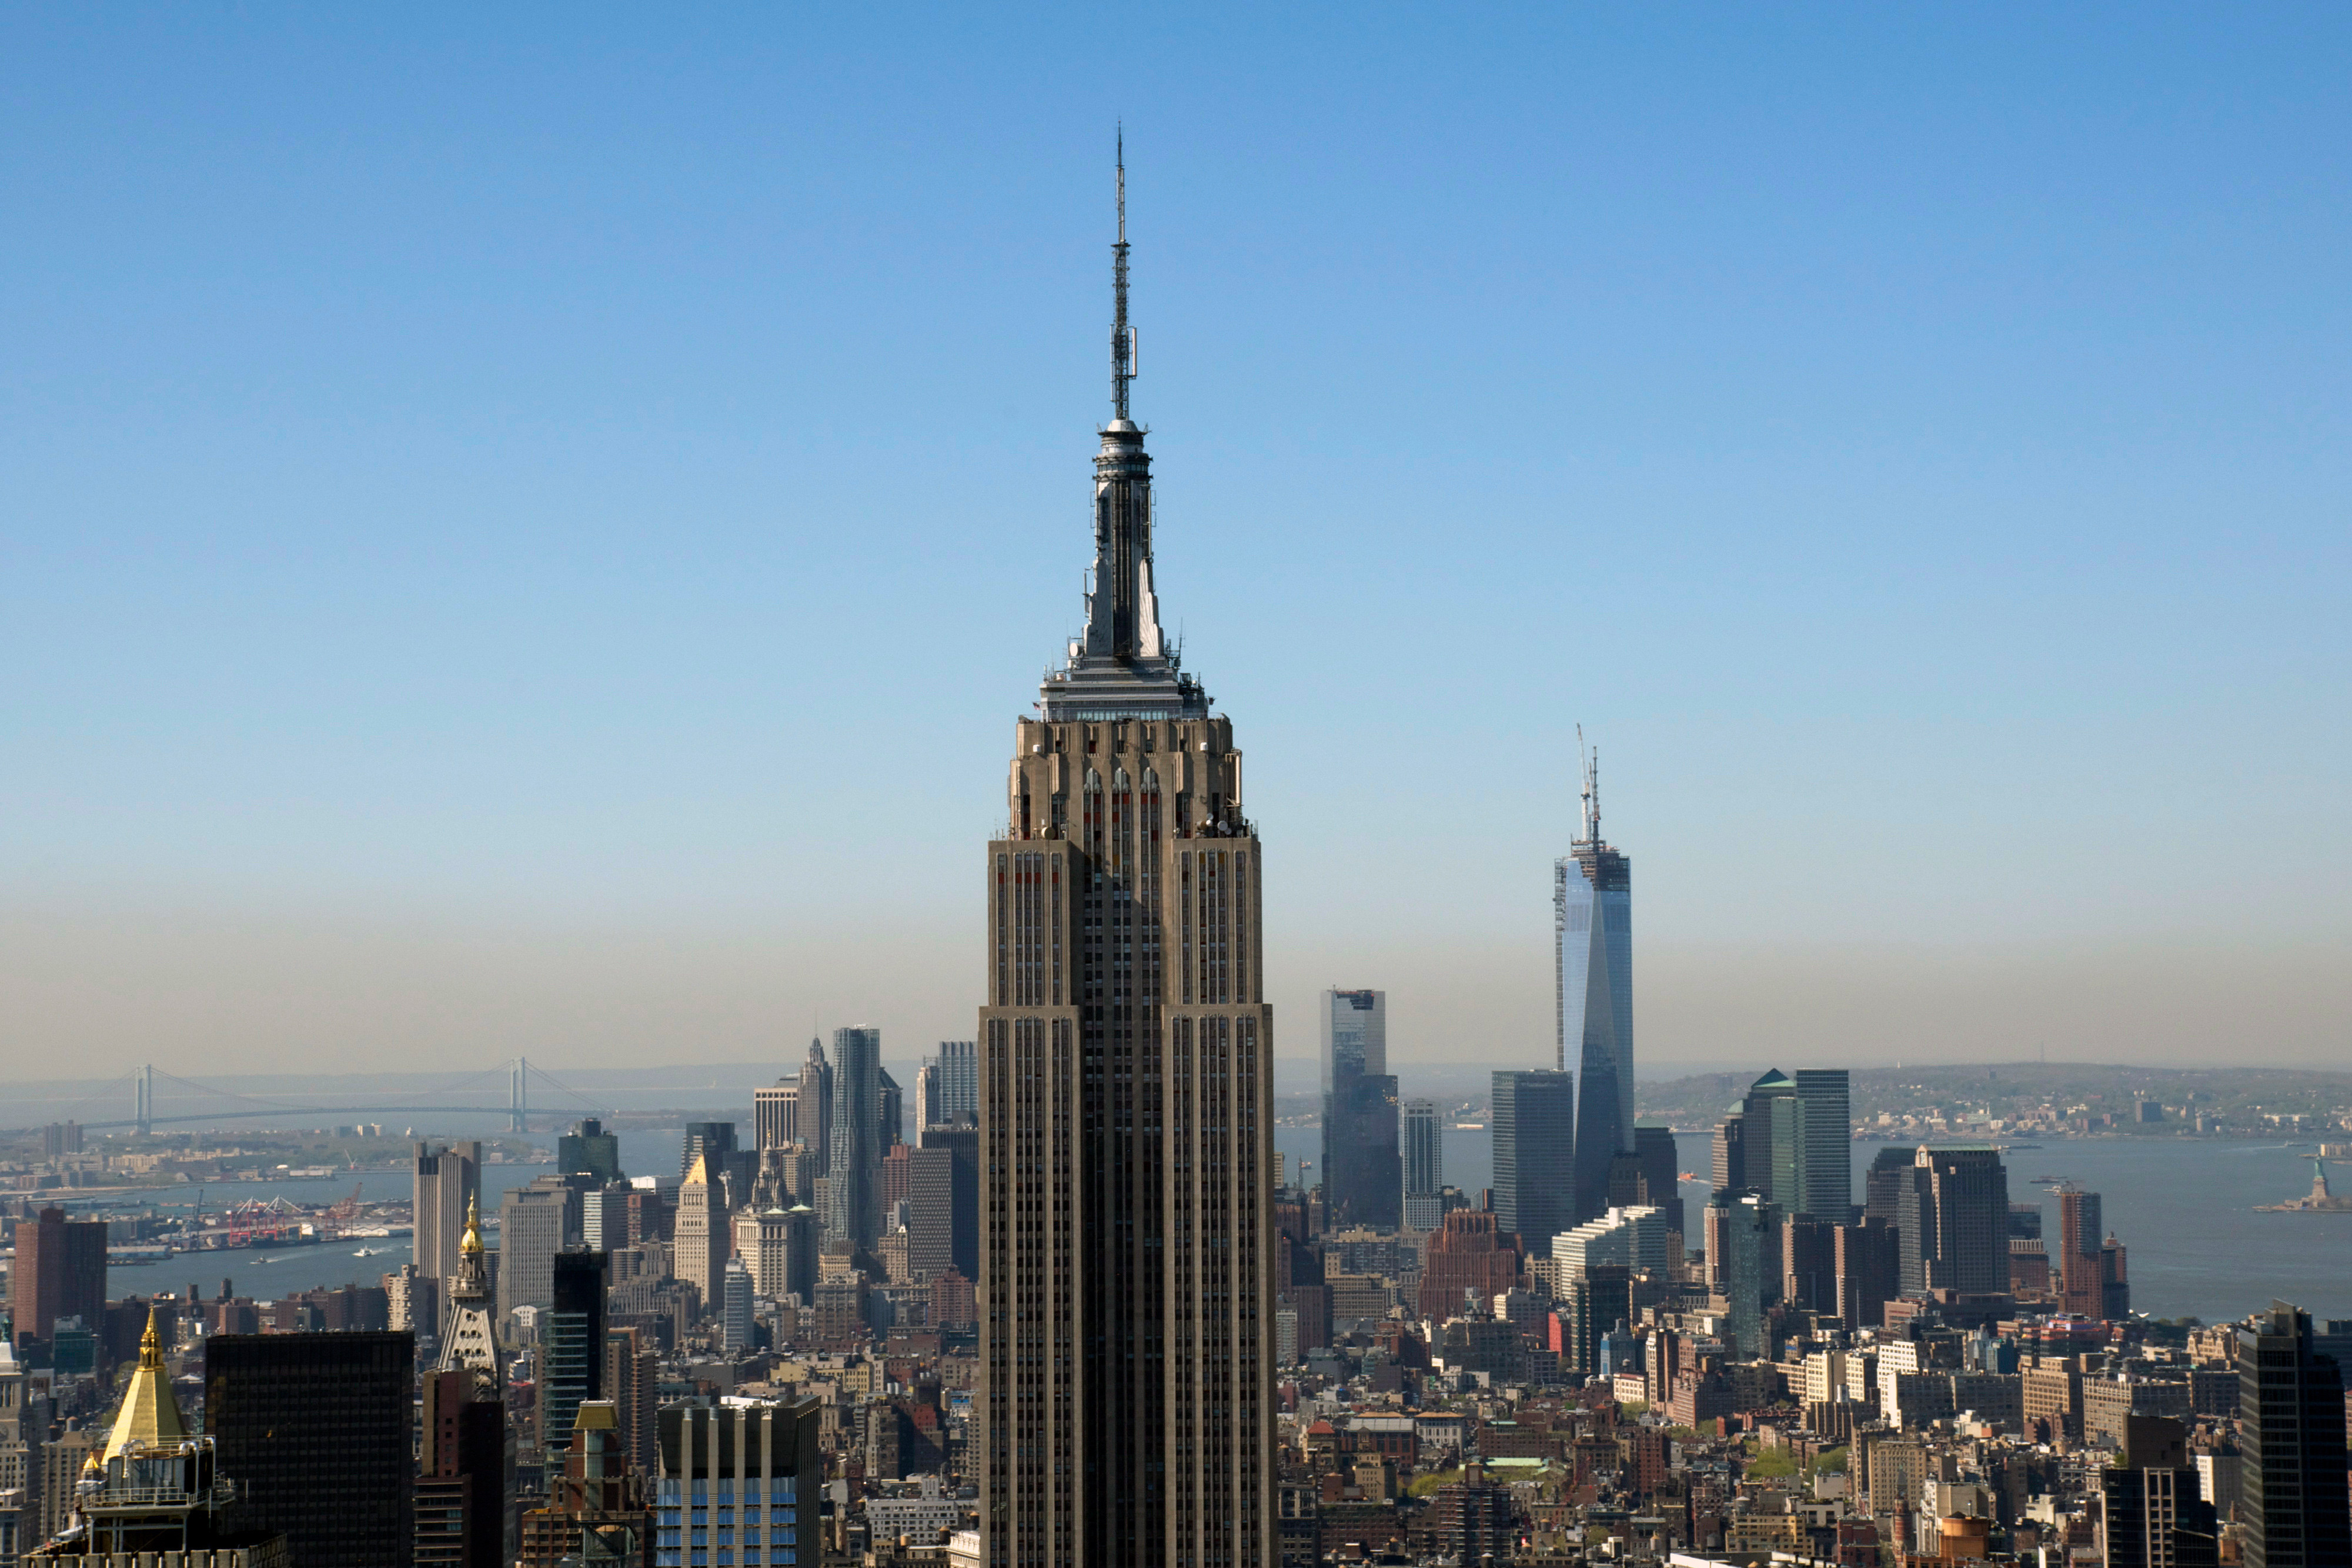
column 532, row 535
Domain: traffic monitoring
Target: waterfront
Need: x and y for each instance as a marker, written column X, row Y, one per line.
column 2184, row 1208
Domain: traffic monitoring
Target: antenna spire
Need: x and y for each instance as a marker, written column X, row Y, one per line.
column 1122, row 335
column 1589, row 765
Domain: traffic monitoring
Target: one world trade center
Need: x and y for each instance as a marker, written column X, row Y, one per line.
column 1592, row 914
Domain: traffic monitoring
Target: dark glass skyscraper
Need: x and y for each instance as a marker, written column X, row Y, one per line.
column 2291, row 1425
column 1535, row 1161
column 854, row 1188
column 315, row 1428
column 1127, row 1098
column 1592, row 920
column 1361, row 1167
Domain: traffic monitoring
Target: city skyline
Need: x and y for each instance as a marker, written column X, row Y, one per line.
column 387, row 669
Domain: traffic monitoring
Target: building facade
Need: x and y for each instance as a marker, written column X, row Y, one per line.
column 854, row 1179
column 2291, row 1433
column 448, row 1181
column 1592, row 922
column 315, row 1428
column 1362, row 1177
column 1126, row 1116
column 60, row 1272
column 744, row 1479
column 1535, row 1125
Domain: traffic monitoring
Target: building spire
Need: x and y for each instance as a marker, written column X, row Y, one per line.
column 1589, row 764
column 1122, row 335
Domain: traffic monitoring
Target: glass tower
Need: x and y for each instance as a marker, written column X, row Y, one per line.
column 1361, row 1165
column 1592, row 919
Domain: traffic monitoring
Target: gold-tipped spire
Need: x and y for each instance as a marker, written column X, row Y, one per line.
column 149, row 1414
column 471, row 1246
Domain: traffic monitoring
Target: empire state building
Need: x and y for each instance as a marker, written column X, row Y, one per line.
column 1127, row 1085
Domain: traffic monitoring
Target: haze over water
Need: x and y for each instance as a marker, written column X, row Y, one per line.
column 2184, row 1208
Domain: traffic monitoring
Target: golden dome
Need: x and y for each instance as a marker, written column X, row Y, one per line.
column 471, row 1245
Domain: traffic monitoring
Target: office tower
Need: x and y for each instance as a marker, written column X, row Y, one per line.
column 943, row 1232
column 1597, row 1298
column 315, row 1430
column 1592, row 929
column 1730, row 1169
column 448, row 1179
column 761, row 1238
column 464, row 1478
column 2081, row 1278
column 775, row 1115
column 596, row 1510
column 1967, row 1188
column 471, row 1344
column 1809, row 1264
column 1661, row 1163
column 605, row 1215
column 1467, row 1261
column 735, row 1307
column 60, row 1272
column 588, row 1150
column 728, row 1163
column 2292, row 1499
column 1825, row 1149
column 892, row 1119
column 1772, row 1125
column 1127, row 1318
column 1740, row 1253
column 633, row 1383
column 1634, row 1238
column 2152, row 1512
column 854, row 1189
column 1424, row 1166
column 535, row 1223
column 816, row 1103
column 929, row 1098
column 1869, row 1264
column 957, row 1074
column 698, row 1254
column 1890, row 1175
column 760, row 1477
column 1361, row 1169
column 571, row 1345
column 1535, row 1156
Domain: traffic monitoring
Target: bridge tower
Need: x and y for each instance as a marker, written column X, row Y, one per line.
column 519, row 1097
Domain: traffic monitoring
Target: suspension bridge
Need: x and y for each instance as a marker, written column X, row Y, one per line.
column 189, row 1101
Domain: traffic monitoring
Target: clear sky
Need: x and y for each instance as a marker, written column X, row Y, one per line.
column 529, row 527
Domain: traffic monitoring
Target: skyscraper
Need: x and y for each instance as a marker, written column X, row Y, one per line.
column 571, row 1347
column 1653, row 1145
column 590, row 1150
column 60, row 1272
column 1953, row 1220
column 1826, row 1162
column 699, row 1252
column 315, row 1430
column 2080, row 1289
column 854, row 1185
column 1361, row 1173
column 1775, row 1141
column 1535, row 1156
column 2291, row 1428
column 1424, row 1164
column 952, row 1098
column 448, row 1179
column 535, row 1223
column 1127, row 1308
column 816, row 1103
column 1592, row 926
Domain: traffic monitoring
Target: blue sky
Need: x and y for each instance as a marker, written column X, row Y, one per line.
column 530, row 529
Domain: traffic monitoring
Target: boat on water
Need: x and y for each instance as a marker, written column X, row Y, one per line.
column 366, row 1251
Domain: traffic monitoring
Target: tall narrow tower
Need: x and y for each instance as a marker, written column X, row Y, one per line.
column 1126, row 1095
column 1592, row 919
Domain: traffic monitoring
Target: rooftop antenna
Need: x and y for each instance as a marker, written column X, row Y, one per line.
column 1591, row 767
column 1122, row 335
